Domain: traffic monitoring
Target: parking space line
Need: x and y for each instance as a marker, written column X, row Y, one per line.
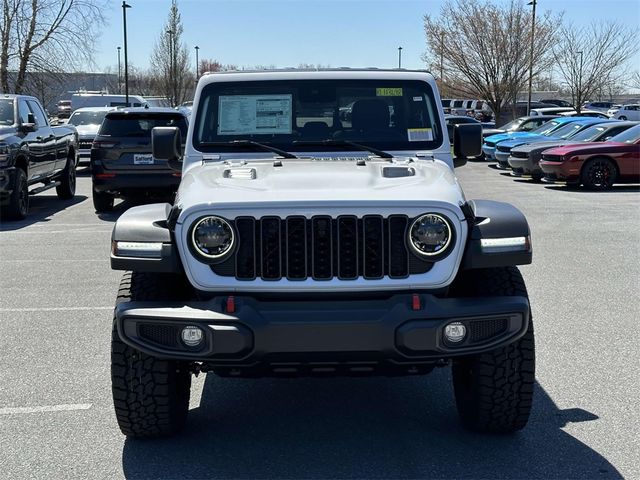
column 44, row 409
column 51, row 309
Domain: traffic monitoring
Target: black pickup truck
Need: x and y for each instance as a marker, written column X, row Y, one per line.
column 32, row 152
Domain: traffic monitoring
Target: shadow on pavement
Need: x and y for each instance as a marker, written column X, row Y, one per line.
column 357, row 428
column 41, row 208
column 613, row 189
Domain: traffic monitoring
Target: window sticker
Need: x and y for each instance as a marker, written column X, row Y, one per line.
column 254, row 114
column 419, row 134
column 388, row 92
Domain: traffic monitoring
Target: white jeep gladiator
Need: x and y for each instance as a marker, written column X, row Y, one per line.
column 318, row 230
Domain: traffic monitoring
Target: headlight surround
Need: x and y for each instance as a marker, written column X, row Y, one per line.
column 212, row 238
column 430, row 235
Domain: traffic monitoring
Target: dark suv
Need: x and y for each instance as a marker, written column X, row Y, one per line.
column 121, row 161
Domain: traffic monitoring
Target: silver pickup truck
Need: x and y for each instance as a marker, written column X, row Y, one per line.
column 33, row 154
column 307, row 242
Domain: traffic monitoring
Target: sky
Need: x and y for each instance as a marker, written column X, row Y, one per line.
column 286, row 33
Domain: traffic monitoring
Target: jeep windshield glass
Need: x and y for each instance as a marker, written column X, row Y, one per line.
column 342, row 143
column 298, row 115
column 250, row 143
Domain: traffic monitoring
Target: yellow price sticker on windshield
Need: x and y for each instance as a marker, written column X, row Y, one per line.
column 388, row 92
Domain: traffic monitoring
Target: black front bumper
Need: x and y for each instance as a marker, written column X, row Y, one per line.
column 274, row 334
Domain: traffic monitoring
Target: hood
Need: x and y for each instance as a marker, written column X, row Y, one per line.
column 592, row 147
column 529, row 147
column 87, row 130
column 320, row 181
column 505, row 136
column 7, row 132
column 524, row 140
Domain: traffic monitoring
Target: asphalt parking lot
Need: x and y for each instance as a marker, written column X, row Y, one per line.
column 57, row 421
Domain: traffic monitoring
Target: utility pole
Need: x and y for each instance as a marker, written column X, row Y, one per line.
column 126, row 68
column 119, row 75
column 579, row 98
column 399, row 57
column 441, row 62
column 197, row 48
column 533, row 33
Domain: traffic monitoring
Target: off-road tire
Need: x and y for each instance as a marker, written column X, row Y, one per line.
column 494, row 390
column 18, row 206
column 150, row 395
column 102, row 201
column 67, row 188
column 598, row 174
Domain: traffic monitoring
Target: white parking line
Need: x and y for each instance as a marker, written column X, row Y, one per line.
column 52, row 309
column 43, row 409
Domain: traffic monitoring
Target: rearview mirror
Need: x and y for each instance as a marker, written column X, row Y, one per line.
column 467, row 142
column 166, row 144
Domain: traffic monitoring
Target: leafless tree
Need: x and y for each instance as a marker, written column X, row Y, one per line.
column 591, row 59
column 46, row 36
column 634, row 80
column 170, row 60
column 480, row 49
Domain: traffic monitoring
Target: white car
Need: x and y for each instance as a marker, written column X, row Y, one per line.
column 300, row 244
column 628, row 112
column 613, row 110
column 550, row 111
column 87, row 121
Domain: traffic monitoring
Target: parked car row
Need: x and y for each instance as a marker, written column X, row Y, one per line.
column 587, row 151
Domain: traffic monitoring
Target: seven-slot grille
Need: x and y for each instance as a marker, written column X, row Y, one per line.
column 321, row 248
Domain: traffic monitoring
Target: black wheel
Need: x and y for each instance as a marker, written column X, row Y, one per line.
column 102, row 201
column 536, row 177
column 622, row 117
column 494, row 390
column 67, row 187
column 598, row 174
column 18, row 206
column 150, row 395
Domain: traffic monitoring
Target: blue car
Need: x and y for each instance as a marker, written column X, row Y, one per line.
column 564, row 132
column 489, row 145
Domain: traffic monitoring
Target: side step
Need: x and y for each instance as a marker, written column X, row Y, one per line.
column 45, row 187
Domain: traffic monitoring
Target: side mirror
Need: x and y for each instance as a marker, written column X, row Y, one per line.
column 467, row 142
column 166, row 144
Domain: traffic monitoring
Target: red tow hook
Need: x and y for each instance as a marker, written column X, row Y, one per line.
column 231, row 305
column 415, row 302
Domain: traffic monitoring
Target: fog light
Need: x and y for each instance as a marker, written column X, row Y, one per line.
column 191, row 336
column 455, row 332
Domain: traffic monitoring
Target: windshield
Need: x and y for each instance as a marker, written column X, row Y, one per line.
column 628, row 136
column 567, row 130
column 384, row 114
column 6, row 111
column 547, row 128
column 589, row 134
column 512, row 125
column 87, row 118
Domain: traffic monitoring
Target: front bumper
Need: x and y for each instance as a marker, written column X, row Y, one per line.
column 521, row 165
column 559, row 171
column 361, row 333
column 488, row 152
column 502, row 158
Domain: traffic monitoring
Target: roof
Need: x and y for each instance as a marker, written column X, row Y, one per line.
column 125, row 111
column 323, row 74
column 17, row 95
column 94, row 109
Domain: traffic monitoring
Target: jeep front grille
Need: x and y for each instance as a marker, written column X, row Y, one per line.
column 321, row 248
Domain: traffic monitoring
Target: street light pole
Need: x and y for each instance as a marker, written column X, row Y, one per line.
column 441, row 61
column 197, row 64
column 533, row 33
column 126, row 65
column 171, row 72
column 119, row 75
column 399, row 57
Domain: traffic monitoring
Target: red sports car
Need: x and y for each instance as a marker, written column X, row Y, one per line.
column 596, row 165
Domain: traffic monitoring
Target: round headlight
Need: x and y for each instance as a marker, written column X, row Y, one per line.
column 430, row 235
column 212, row 237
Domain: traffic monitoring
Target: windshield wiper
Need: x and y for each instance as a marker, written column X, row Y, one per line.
column 244, row 143
column 337, row 143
